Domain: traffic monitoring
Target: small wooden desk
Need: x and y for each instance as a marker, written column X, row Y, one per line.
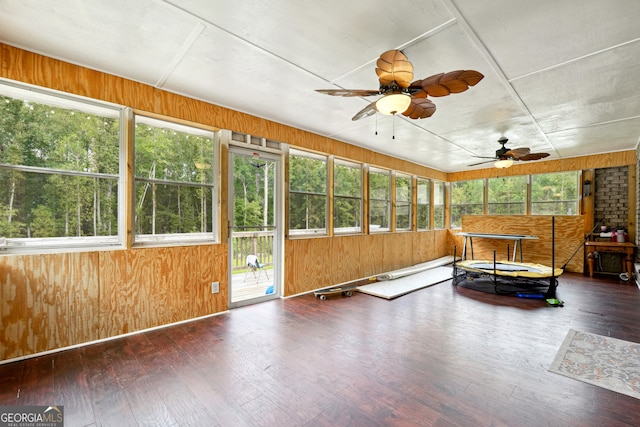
column 626, row 248
column 517, row 241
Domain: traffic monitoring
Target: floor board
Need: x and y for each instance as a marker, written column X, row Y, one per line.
column 440, row 356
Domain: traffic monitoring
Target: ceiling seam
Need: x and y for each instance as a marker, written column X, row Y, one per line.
column 482, row 49
column 243, row 40
column 570, row 61
column 181, row 53
column 411, row 42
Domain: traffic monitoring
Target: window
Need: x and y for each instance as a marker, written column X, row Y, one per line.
column 347, row 197
column 438, row 205
column 379, row 199
column 507, row 195
column 60, row 170
column 423, row 187
column 175, row 170
column 555, row 193
column 467, row 198
column 403, row 202
column 307, row 193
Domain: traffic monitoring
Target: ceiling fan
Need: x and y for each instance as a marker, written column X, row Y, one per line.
column 400, row 95
column 505, row 157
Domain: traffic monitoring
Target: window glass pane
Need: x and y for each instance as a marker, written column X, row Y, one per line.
column 307, row 193
column 171, row 152
column 348, row 213
column 403, row 202
column 174, row 181
column 255, row 185
column 307, row 212
column 379, row 199
column 59, row 168
column 438, row 205
column 554, row 193
column 466, row 199
column 63, row 206
column 347, row 180
column 507, row 195
column 423, row 190
column 307, row 174
column 172, row 209
column 347, row 202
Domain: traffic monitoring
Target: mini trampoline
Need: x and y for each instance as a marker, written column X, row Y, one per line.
column 506, row 277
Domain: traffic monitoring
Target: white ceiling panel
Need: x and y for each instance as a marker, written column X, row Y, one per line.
column 329, row 38
column 560, row 77
column 602, row 138
column 599, row 88
column 525, row 36
column 138, row 40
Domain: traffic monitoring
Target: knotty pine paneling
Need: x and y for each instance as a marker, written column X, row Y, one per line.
column 569, row 235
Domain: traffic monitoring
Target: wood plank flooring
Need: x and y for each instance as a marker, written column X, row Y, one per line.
column 441, row 356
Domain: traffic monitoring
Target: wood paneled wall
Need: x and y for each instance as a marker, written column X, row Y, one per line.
column 58, row 300
column 569, row 236
column 316, row 263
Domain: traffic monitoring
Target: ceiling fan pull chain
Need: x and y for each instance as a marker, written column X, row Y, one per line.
column 394, row 127
column 376, row 124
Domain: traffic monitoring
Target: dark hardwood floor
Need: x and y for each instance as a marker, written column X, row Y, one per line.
column 441, row 356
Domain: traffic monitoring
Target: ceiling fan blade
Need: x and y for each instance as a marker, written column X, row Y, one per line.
column 445, row 84
column 516, row 153
column 394, row 66
column 482, row 163
column 420, row 108
column 485, row 157
column 534, row 156
column 367, row 111
column 348, row 92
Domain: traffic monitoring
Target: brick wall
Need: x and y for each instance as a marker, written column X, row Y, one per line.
column 611, row 196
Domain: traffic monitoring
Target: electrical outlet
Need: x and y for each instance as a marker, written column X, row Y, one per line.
column 215, row 287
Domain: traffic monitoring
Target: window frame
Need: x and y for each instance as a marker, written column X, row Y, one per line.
column 357, row 166
column 379, row 228
column 177, row 238
column 575, row 202
column 523, row 204
column 439, row 204
column 56, row 99
column 307, row 232
column 426, row 182
column 408, row 204
column 472, row 205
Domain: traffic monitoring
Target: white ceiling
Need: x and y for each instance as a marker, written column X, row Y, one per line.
column 561, row 76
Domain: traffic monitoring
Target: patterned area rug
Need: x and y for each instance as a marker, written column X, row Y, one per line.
column 603, row 361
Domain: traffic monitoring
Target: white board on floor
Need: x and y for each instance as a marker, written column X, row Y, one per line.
column 390, row 289
column 391, row 275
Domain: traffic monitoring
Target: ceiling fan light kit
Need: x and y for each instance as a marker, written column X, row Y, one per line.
column 393, row 103
column 505, row 157
column 401, row 95
column 503, row 164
